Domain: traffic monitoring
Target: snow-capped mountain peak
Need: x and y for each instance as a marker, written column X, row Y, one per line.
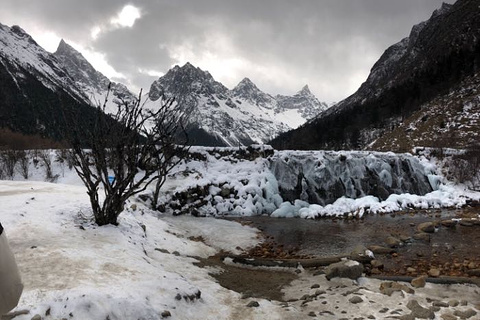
column 305, row 91
column 243, row 115
column 24, row 56
column 93, row 83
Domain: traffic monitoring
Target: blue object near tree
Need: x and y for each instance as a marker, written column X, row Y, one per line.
column 111, row 179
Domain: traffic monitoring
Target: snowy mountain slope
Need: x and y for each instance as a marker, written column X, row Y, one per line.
column 438, row 55
column 91, row 82
column 22, row 53
column 453, row 117
column 37, row 93
column 240, row 116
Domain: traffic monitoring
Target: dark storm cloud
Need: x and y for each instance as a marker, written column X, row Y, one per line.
column 281, row 45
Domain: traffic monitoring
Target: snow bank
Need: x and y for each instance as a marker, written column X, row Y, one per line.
column 144, row 267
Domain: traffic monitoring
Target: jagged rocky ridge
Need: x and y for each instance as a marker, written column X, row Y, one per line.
column 436, row 57
column 91, row 82
column 241, row 116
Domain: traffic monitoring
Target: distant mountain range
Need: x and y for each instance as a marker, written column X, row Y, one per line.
column 218, row 116
column 242, row 116
column 423, row 91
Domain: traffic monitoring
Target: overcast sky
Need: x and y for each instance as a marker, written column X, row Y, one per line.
column 281, row 45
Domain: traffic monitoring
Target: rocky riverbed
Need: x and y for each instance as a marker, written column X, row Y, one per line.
column 425, row 266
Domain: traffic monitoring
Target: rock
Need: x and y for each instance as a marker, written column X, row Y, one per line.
column 419, row 282
column 315, row 286
column 225, row 192
column 320, row 292
column 37, row 317
column 392, row 242
column 422, row 236
column 472, row 265
column 253, row 304
column 133, row 207
column 434, row 272
column 358, row 251
column 428, row 227
column 166, row 314
column 411, row 270
column 467, row 314
column 474, row 272
column 312, row 314
column 449, row 223
column 376, row 264
column 448, row 316
column 420, row 312
column 466, row 223
column 440, row 304
column 453, row 303
column 388, row 288
column 344, row 269
column 355, row 300
column 380, row 250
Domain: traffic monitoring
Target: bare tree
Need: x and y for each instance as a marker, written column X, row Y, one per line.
column 9, row 159
column 46, row 160
column 23, row 157
column 169, row 128
column 127, row 146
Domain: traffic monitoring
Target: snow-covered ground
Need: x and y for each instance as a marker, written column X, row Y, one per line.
column 143, row 269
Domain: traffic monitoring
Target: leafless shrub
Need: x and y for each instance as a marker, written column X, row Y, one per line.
column 23, row 157
column 128, row 146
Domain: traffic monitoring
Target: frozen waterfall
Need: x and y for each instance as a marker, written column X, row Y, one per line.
column 322, row 177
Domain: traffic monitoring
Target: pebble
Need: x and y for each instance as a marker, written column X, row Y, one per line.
column 315, row 286
column 166, row 314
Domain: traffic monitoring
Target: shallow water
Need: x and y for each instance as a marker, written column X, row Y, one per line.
column 327, row 237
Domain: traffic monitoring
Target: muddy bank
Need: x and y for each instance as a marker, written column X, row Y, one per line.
column 251, row 283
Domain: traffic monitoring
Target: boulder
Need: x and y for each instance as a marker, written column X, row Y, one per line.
column 467, row 314
column 449, row 223
column 422, row 236
column 344, row 269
